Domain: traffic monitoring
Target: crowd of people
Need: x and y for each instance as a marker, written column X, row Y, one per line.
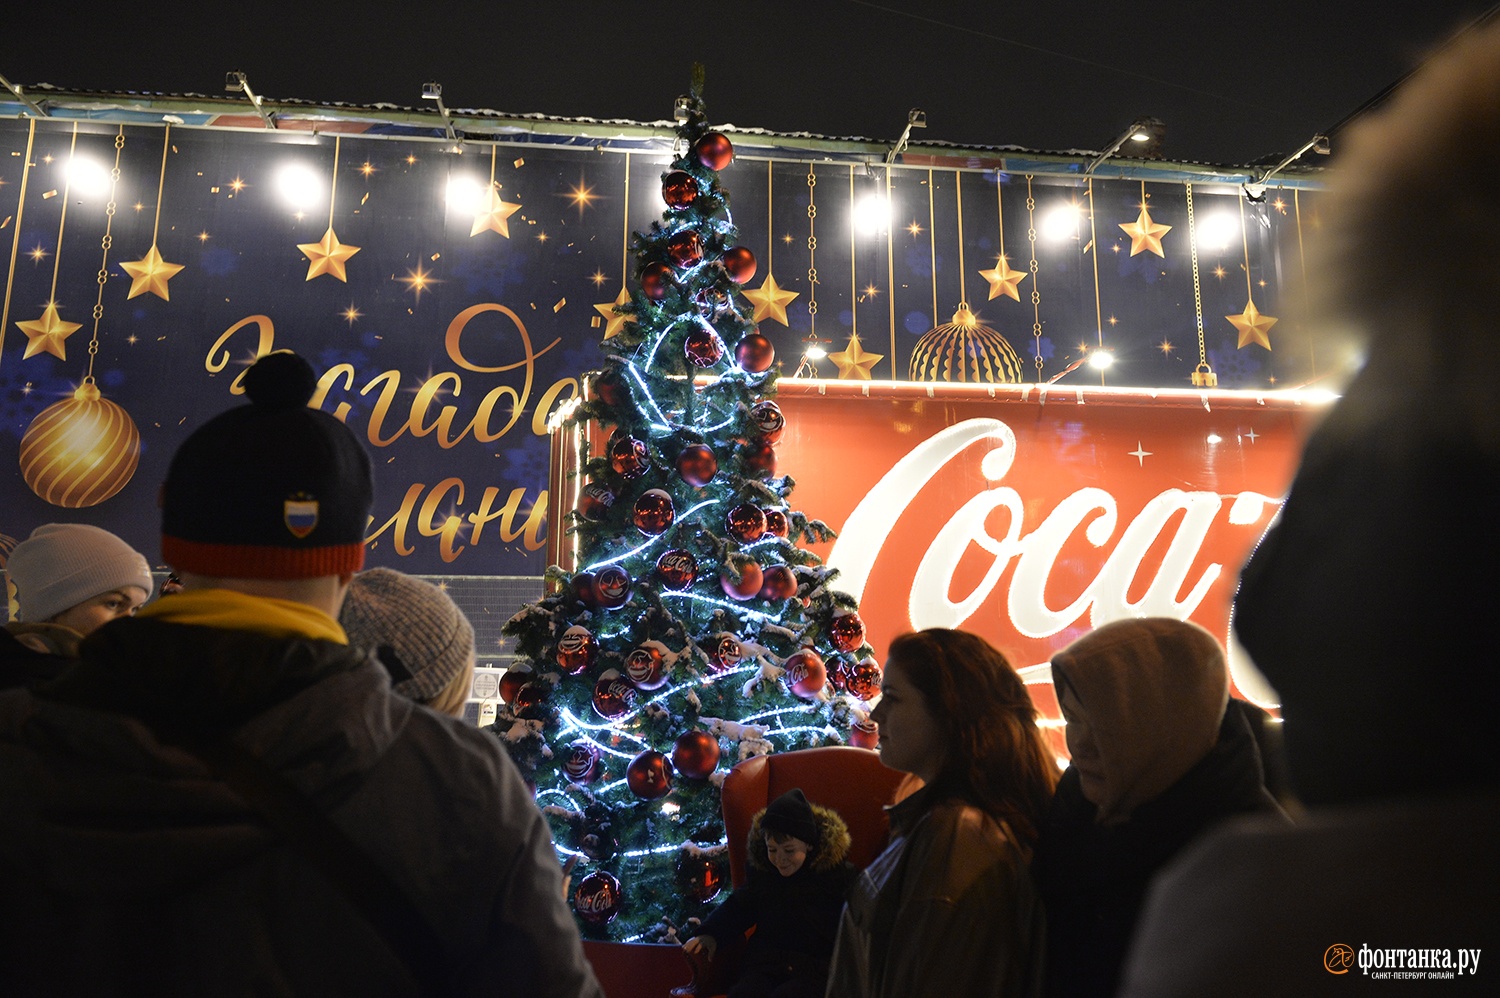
column 258, row 783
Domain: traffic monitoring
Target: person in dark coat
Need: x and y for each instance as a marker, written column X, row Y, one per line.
column 797, row 856
column 1159, row 755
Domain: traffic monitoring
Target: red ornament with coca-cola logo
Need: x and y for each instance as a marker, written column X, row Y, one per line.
column 697, row 465
column 685, row 249
column 846, row 631
column 679, row 189
column 656, row 280
column 582, row 762
column 645, row 668
column 740, row 263
column 611, row 587
column 653, row 512
column 755, row 353
column 862, row 679
column 532, row 694
column 703, row 348
column 759, row 458
column 696, row 754
column 628, row 456
column 767, row 420
column 512, row 680
column 594, row 501
column 778, row 582
column 776, row 522
column 613, row 696
column 577, row 650
column 678, row 569
column 751, row 579
column 864, row 733
column 745, row 522
column 726, row 653
column 597, row 898
column 649, row 775
column 806, row 673
column 714, row 151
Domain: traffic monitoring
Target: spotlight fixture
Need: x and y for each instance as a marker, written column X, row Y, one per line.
column 33, row 109
column 915, row 118
column 682, row 108
column 1145, row 132
column 434, row 93
column 1254, row 189
column 236, row 82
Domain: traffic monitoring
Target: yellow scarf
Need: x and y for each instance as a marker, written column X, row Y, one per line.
column 225, row 608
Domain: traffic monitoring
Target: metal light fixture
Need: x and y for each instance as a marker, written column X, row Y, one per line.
column 1143, row 131
column 33, row 109
column 235, row 82
column 1255, row 189
column 915, row 118
column 434, row 93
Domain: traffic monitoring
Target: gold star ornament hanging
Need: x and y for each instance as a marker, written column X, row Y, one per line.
column 47, row 334
column 853, row 363
column 150, row 273
column 327, row 256
column 1003, row 280
column 614, row 321
column 495, row 215
column 1253, row 327
column 770, row 301
column 1145, row 234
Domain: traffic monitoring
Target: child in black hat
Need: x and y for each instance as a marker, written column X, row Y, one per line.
column 799, row 876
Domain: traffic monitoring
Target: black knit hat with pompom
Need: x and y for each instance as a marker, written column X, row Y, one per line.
column 269, row 490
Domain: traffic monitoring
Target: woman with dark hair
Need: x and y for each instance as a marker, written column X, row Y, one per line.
column 949, row 908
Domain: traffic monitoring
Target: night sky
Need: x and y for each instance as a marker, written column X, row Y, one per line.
column 1234, row 83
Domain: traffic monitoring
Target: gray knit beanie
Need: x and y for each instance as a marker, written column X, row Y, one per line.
column 63, row 564
column 416, row 620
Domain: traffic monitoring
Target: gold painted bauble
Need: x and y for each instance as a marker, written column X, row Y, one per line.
column 965, row 350
column 80, row 451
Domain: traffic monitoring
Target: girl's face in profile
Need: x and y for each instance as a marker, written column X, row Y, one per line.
column 787, row 853
column 910, row 734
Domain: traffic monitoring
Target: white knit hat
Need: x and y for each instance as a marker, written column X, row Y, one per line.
column 63, row 564
column 416, row 620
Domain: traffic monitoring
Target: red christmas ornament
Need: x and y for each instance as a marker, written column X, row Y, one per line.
column 512, row 681
column 613, row 696
column 649, row 775
column 778, row 582
column 596, row 899
column 727, row 653
column 755, row 353
column 711, row 301
column 864, row 734
column 685, row 249
column 678, row 569
column 653, row 512
column 759, row 458
column 749, row 585
column 656, row 280
column 776, row 522
column 714, row 151
column 582, row 763
column 862, row 679
column 532, row 694
column 740, row 263
column 696, row 754
column 577, row 650
column 583, row 589
column 838, row 676
column 628, row 457
column 697, row 465
column 611, row 587
column 611, row 391
column 645, row 668
column 702, row 347
column 594, row 501
column 701, row 878
column 767, row 419
column 806, row 673
column 679, row 189
column 746, row 522
column 847, row 631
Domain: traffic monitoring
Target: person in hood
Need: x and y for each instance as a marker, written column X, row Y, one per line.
column 799, row 874
column 184, row 806
column 1159, row 755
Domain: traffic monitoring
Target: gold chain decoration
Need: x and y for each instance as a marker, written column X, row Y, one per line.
column 812, row 250
column 963, row 286
column 1094, row 246
column 1203, row 375
column 1036, row 297
column 105, row 244
column 932, row 242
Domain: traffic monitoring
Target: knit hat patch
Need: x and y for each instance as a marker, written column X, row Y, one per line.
column 416, row 621
column 791, row 814
column 64, row 564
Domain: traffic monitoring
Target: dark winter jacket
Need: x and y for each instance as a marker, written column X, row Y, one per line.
column 30, row 653
column 947, row 910
column 1093, row 877
column 795, row 918
column 126, row 868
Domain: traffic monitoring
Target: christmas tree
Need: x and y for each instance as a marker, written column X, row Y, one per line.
column 696, row 631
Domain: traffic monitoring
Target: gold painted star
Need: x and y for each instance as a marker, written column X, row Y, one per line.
column 598, row 278
column 1165, row 346
column 150, row 273
column 38, row 254
column 1145, row 234
column 914, row 229
column 1219, row 272
column 787, row 239
column 541, row 237
column 770, row 301
column 132, row 339
column 614, row 322
column 1003, row 280
column 493, row 216
column 139, row 207
column 410, row 159
column 352, row 314
column 1252, row 325
column 203, row 236
column 417, row 281
column 871, row 291
column 367, row 168
column 853, row 362
column 581, row 196
column 1279, row 205
column 237, row 185
column 47, row 334
column 327, row 256
column 1112, row 321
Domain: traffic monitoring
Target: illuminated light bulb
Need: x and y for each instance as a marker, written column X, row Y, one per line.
column 1060, row 223
column 872, row 213
column 1100, row 359
column 1141, row 136
column 299, row 186
column 815, row 352
column 1218, row 231
column 1214, row 438
column 464, row 193
column 87, row 177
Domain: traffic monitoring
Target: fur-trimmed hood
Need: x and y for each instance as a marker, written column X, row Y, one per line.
column 833, row 842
